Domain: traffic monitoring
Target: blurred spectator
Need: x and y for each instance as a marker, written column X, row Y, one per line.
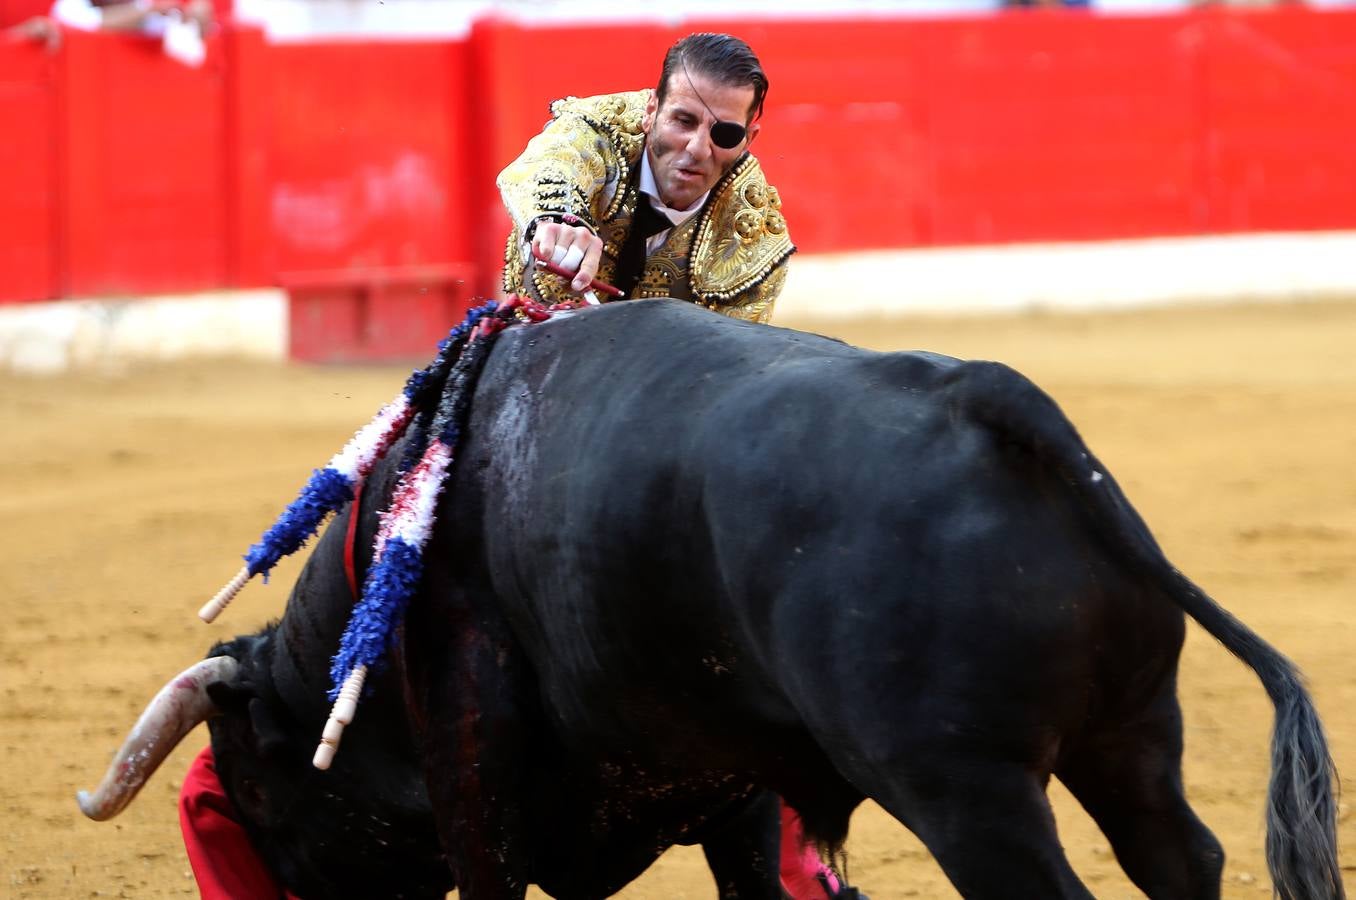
column 1161, row 6
column 180, row 24
column 1048, row 4
column 1255, row 4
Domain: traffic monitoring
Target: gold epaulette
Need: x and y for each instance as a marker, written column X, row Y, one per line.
column 619, row 117
column 742, row 236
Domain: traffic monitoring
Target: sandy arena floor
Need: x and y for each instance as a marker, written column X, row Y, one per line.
column 128, row 498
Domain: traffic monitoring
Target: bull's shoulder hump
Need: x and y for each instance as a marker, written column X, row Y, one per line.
column 657, row 337
column 664, row 322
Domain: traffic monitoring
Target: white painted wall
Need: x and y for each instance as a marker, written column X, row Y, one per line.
column 47, row 338
column 55, row 337
column 1093, row 275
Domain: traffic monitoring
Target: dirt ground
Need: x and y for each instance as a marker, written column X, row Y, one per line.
column 127, row 497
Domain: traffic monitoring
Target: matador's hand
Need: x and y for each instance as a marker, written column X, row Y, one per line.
column 572, row 247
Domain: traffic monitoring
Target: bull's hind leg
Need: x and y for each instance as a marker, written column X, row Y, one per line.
column 988, row 823
column 1129, row 779
column 744, row 852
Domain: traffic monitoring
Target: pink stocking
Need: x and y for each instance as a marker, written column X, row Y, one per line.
column 801, row 866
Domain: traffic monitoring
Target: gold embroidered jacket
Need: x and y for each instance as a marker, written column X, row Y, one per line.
column 730, row 257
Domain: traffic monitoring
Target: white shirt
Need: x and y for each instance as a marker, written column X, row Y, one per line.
column 677, row 216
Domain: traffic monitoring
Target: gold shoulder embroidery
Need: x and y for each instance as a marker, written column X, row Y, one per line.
column 615, row 112
column 742, row 236
column 619, row 117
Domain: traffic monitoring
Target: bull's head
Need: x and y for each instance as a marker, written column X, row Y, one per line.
column 361, row 829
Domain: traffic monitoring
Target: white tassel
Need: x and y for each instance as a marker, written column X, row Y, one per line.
column 345, row 707
column 372, row 440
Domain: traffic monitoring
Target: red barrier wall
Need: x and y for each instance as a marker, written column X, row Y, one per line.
column 1279, row 106
column 844, row 135
column 368, row 194
column 14, row 11
column 361, row 174
column 1036, row 126
column 363, row 146
column 143, row 169
column 28, row 174
column 250, row 253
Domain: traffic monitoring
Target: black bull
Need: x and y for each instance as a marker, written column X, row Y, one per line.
column 680, row 556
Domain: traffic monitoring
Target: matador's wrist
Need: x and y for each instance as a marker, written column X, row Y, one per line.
column 559, row 218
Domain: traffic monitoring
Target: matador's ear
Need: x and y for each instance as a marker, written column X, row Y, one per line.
column 651, row 109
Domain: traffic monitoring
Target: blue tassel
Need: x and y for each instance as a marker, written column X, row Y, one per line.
column 394, row 577
column 419, row 381
column 372, row 625
column 323, row 494
column 327, row 489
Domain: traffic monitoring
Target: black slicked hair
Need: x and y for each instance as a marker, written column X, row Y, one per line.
column 723, row 58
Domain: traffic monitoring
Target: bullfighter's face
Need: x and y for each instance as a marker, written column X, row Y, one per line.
column 686, row 163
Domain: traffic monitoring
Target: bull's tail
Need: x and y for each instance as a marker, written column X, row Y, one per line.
column 1301, row 806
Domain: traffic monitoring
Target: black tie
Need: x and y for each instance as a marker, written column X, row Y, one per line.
column 646, row 223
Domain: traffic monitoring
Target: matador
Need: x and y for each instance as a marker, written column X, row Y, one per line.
column 586, row 167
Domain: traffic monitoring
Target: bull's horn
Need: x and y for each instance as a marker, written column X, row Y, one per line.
column 170, row 715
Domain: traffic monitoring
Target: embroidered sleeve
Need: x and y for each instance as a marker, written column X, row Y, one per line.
column 563, row 170
column 576, row 165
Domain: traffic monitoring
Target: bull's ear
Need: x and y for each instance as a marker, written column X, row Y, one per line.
column 230, row 697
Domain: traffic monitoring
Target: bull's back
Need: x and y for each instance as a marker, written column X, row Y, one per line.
column 681, row 499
